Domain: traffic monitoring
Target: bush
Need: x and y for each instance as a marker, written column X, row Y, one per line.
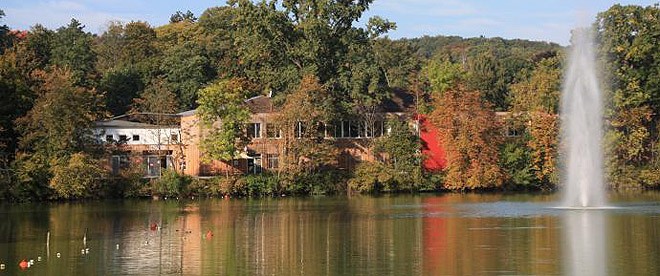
column 171, row 184
column 78, row 177
column 370, row 177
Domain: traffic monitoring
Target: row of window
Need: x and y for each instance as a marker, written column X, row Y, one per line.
column 124, row 138
column 343, row 129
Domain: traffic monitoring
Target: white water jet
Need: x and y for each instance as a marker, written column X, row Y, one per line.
column 582, row 126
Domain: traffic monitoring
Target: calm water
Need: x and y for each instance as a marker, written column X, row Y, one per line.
column 401, row 235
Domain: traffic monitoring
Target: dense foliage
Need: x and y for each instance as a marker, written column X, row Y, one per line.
column 321, row 67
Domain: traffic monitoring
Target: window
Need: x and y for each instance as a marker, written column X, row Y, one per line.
column 330, row 130
column 109, row 138
column 273, row 161
column 273, row 131
column 153, row 165
column 254, row 130
column 254, row 164
column 345, row 129
column 119, row 162
column 299, row 129
column 375, row 130
column 512, row 132
column 174, row 138
column 354, row 129
column 136, row 137
column 123, row 138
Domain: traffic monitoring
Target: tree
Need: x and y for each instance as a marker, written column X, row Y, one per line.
column 72, row 50
column 223, row 114
column 535, row 103
column 58, row 125
column 541, row 91
column 16, row 101
column 6, row 39
column 470, row 135
column 181, row 16
column 121, row 85
column 302, row 119
column 629, row 39
column 77, row 176
column 397, row 60
column 127, row 46
column 187, row 69
column 401, row 148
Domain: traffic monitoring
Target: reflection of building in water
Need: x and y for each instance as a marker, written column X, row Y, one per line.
column 169, row 243
column 459, row 244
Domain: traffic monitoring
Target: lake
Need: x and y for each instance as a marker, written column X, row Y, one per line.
column 446, row 234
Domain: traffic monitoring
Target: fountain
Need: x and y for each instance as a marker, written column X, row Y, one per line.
column 582, row 128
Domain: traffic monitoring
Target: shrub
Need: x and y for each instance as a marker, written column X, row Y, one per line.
column 370, row 177
column 171, row 184
column 80, row 176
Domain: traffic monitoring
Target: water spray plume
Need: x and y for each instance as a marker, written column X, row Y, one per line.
column 582, row 126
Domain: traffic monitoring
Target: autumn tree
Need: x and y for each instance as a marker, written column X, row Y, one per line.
column 535, row 103
column 303, row 120
column 470, row 134
column 78, row 177
column 58, row 126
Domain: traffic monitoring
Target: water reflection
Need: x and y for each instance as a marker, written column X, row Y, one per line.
column 404, row 235
column 585, row 242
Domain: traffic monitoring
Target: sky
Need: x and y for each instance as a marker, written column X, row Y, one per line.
column 539, row 20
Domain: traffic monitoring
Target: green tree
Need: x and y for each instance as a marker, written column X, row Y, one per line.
column 629, row 39
column 401, row 148
column 6, row 39
column 72, row 50
column 180, row 16
column 121, row 85
column 186, row 70
column 16, row 101
column 223, row 114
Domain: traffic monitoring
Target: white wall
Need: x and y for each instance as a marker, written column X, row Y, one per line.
column 148, row 136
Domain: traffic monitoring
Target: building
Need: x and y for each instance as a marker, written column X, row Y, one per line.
column 352, row 138
column 175, row 143
column 131, row 140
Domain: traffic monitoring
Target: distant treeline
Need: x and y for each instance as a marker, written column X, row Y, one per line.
column 56, row 83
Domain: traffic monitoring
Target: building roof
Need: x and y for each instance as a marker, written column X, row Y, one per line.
column 401, row 101
column 260, row 104
column 126, row 124
column 188, row 113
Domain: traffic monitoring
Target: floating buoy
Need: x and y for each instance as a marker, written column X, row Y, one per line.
column 82, row 251
column 2, row 266
column 58, row 254
column 23, row 264
column 39, row 259
column 117, row 246
column 31, row 262
column 209, row 235
column 153, row 227
column 86, row 250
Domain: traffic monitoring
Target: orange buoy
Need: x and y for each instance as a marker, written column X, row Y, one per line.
column 209, row 235
column 23, row 264
column 154, row 227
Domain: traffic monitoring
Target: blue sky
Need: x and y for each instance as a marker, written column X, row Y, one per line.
column 541, row 20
